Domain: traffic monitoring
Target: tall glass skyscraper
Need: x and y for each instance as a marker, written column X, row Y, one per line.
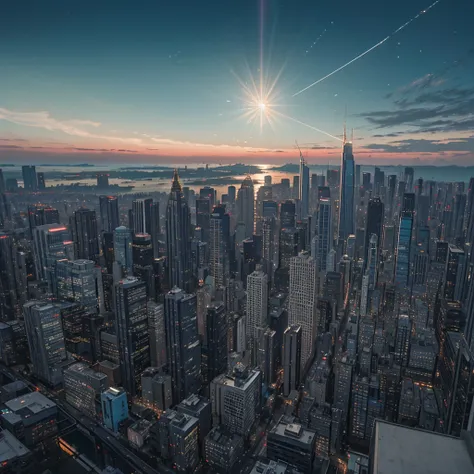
column 346, row 204
column 178, row 238
column 304, row 188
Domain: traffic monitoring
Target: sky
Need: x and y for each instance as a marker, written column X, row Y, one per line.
column 217, row 81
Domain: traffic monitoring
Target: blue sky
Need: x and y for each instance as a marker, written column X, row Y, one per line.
column 160, row 80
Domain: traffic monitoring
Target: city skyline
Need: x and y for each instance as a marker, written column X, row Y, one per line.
column 156, row 83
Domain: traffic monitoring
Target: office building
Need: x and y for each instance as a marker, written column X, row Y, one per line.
column 325, row 236
column 235, row 399
column 83, row 387
column 347, row 199
column 375, row 216
column 183, row 346
column 291, row 443
column 142, row 257
column 141, row 213
column 80, row 281
column 102, row 180
column 291, row 359
column 178, row 440
column 41, row 215
column 455, row 274
column 8, row 284
column 131, row 325
column 178, row 238
column 223, row 450
column 45, row 340
column 302, row 304
column 257, row 307
column 157, row 389
column 51, row 242
column 403, row 249
column 114, row 408
column 109, row 213
column 219, row 246
column 304, row 188
column 156, row 332
column 30, row 182
column 245, row 206
column 123, row 249
column 31, row 418
column 15, row 456
column 85, row 235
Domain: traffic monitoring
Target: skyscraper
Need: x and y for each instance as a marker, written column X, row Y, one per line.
column 131, row 325
column 123, row 249
column 84, row 234
column 8, row 288
column 346, row 204
column 302, row 306
column 80, row 281
column 142, row 256
column 51, row 243
column 455, row 274
column 291, row 359
column 45, row 340
column 109, row 213
column 219, row 246
column 178, row 238
column 245, row 206
column 257, row 307
column 182, row 343
column 141, row 212
column 325, row 234
column 30, row 181
column 375, row 215
column 304, row 187
column 403, row 250
column 156, row 331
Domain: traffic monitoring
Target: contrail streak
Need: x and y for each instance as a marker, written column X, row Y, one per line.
column 307, row 125
column 380, row 43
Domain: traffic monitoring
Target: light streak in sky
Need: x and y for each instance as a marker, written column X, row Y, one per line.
column 307, row 125
column 380, row 43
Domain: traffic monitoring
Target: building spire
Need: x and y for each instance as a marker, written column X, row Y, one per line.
column 176, row 186
column 345, row 132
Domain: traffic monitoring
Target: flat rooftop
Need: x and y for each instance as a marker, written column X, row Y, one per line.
column 35, row 402
column 10, row 447
column 293, row 431
column 399, row 449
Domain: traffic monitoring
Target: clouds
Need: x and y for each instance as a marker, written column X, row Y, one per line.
column 425, row 146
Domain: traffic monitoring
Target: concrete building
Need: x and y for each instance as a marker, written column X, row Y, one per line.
column 114, row 408
column 235, row 399
column 83, row 387
column 290, row 443
column 223, row 450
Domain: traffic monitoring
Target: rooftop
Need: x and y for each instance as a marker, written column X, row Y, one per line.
column 34, row 402
column 10, row 447
column 412, row 451
column 293, row 431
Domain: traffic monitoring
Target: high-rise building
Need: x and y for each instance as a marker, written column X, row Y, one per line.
column 375, row 216
column 257, row 307
column 455, row 274
column 142, row 256
column 123, row 249
column 403, row 250
column 80, row 281
column 114, row 408
column 304, row 187
column 131, row 325
column 291, row 359
column 219, row 246
column 82, row 386
column 84, row 234
column 245, row 206
column 155, row 229
column 178, row 440
column 157, row 388
column 223, row 450
column 51, row 243
column 292, row 444
column 402, row 340
column 102, row 180
column 302, row 305
column 45, row 340
column 8, row 284
column 109, row 213
column 178, row 238
column 141, row 212
column 325, row 233
column 235, row 399
column 347, row 204
column 182, row 343
column 157, row 335
column 30, row 180
column 287, row 215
